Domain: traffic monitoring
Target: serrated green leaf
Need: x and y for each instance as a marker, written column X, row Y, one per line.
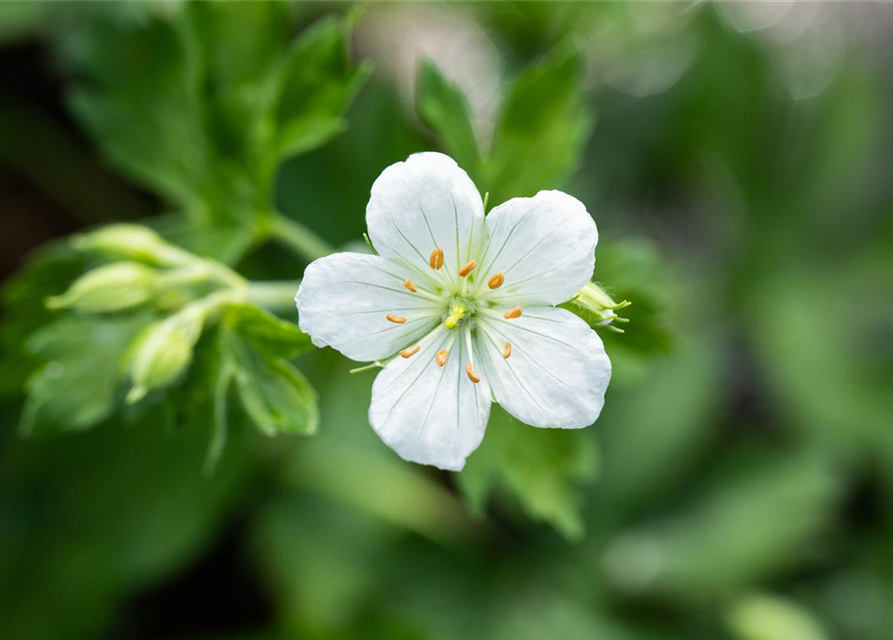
column 542, row 468
column 242, row 46
column 267, row 333
column 318, row 82
column 542, row 129
column 23, row 299
column 141, row 100
column 200, row 105
column 79, row 383
column 273, row 392
column 443, row 107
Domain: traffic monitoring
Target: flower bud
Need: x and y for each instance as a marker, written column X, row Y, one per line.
column 164, row 351
column 109, row 288
column 130, row 242
column 596, row 307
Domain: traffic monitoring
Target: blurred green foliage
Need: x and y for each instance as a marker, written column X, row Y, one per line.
column 738, row 483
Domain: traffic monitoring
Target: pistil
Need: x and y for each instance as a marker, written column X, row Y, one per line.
column 457, row 312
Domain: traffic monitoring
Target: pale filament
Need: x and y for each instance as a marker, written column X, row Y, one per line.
column 469, row 367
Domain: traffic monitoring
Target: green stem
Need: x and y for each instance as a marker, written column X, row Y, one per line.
column 295, row 235
column 273, row 296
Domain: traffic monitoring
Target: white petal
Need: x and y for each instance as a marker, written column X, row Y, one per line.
column 427, row 413
column 544, row 246
column 344, row 299
column 425, row 203
column 558, row 370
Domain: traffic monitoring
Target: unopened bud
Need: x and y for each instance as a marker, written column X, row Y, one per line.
column 109, row 288
column 164, row 351
column 596, row 307
column 130, row 242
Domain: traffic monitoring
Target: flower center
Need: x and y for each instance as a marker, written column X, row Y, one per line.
column 460, row 313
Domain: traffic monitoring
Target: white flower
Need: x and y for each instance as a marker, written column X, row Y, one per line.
column 467, row 303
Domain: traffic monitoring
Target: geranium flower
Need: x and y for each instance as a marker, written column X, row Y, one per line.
column 460, row 309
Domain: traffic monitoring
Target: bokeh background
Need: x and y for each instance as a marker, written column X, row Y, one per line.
column 738, row 159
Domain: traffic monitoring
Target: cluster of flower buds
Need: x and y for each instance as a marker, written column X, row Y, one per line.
column 182, row 287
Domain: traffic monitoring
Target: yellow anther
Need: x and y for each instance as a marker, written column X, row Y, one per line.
column 441, row 357
column 469, row 369
column 514, row 313
column 436, row 259
column 409, row 284
column 496, row 281
column 397, row 319
column 467, row 267
column 406, row 353
column 507, row 351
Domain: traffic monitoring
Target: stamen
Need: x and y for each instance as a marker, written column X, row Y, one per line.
column 397, row 319
column 467, row 267
column 409, row 284
column 407, row 353
column 469, row 367
column 507, row 351
column 514, row 313
column 441, row 357
column 436, row 259
column 496, row 281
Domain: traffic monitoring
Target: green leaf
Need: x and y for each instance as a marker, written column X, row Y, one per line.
column 242, row 46
column 202, row 103
column 273, row 392
column 443, row 107
column 23, row 298
column 141, row 100
column 78, row 385
column 317, row 85
column 542, row 129
column 542, row 468
column 267, row 333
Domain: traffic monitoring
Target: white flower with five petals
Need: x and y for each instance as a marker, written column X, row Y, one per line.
column 461, row 307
